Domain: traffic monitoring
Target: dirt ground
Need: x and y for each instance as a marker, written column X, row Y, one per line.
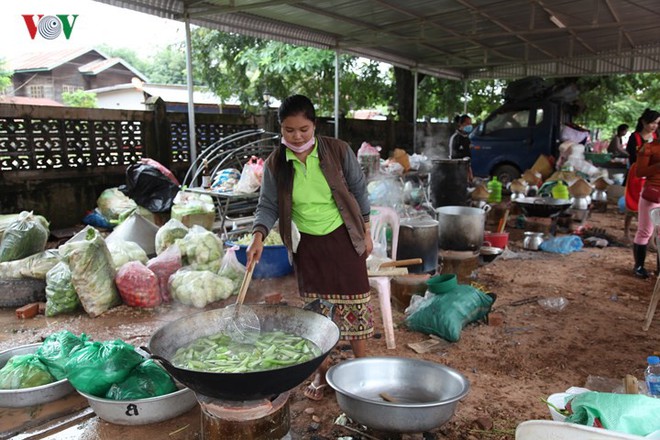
column 524, row 354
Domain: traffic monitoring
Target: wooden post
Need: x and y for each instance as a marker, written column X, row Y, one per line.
column 158, row 142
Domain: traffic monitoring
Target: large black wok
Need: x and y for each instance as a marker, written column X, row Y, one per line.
column 244, row 386
column 542, row 206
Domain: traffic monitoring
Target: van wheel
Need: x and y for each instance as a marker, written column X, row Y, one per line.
column 506, row 173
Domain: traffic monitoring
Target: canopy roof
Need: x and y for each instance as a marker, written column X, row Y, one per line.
column 461, row 39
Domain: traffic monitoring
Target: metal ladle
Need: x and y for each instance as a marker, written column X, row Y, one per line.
column 238, row 321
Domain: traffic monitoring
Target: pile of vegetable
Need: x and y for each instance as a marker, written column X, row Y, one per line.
column 109, row 369
column 219, row 353
column 273, row 239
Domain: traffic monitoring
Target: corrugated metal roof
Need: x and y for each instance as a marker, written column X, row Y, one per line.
column 98, row 66
column 48, row 60
column 450, row 38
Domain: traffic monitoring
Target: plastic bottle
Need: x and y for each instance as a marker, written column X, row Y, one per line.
column 560, row 191
column 652, row 376
column 494, row 190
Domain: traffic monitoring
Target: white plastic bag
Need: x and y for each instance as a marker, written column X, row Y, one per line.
column 232, row 268
column 250, row 180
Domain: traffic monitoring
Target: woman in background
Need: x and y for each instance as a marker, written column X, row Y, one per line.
column 459, row 142
column 645, row 164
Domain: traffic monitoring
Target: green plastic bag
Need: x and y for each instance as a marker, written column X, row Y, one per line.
column 146, row 380
column 24, row 237
column 61, row 296
column 56, row 349
column 92, row 273
column 24, row 371
column 453, row 307
column 94, row 367
column 629, row 413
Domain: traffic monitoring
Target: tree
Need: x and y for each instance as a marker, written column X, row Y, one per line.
column 244, row 67
column 5, row 76
column 80, row 98
column 168, row 66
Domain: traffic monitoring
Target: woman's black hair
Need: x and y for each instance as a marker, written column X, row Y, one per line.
column 647, row 117
column 295, row 105
column 459, row 119
column 621, row 129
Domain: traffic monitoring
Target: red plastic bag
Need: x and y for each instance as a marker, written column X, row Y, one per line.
column 138, row 285
column 163, row 266
column 161, row 168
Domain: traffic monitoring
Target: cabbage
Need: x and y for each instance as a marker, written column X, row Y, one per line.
column 199, row 287
column 201, row 249
column 123, row 251
column 273, row 239
column 169, row 233
column 24, row 371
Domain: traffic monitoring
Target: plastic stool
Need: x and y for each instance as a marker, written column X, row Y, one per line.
column 381, row 217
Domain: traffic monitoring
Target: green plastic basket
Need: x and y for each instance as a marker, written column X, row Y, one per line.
column 598, row 158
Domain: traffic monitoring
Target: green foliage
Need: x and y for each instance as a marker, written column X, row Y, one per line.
column 5, row 76
column 244, row 67
column 168, row 66
column 79, row 98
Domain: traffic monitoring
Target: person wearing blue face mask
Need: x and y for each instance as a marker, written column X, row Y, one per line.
column 459, row 142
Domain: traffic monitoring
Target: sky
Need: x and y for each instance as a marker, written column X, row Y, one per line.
column 97, row 23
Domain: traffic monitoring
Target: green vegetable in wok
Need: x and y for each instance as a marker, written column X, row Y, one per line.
column 220, row 354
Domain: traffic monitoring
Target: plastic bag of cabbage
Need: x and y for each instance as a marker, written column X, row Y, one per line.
column 92, row 273
column 201, row 249
column 199, row 287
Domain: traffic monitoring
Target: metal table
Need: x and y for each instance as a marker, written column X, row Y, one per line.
column 226, row 202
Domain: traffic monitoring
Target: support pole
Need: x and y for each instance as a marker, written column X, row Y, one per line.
column 192, row 137
column 415, row 112
column 337, row 94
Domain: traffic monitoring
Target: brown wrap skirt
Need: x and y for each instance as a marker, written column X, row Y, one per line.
column 328, row 267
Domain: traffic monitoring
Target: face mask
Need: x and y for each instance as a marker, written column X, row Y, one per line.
column 300, row 149
column 467, row 129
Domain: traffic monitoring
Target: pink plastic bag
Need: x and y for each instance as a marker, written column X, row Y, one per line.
column 160, row 167
column 163, row 266
column 137, row 285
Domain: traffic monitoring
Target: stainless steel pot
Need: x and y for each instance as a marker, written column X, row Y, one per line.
column 418, row 238
column 599, row 195
column 581, row 203
column 422, row 394
column 532, row 240
column 461, row 228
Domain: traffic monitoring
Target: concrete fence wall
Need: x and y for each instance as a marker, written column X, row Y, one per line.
column 57, row 161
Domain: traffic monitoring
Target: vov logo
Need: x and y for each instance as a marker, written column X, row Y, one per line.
column 50, row 26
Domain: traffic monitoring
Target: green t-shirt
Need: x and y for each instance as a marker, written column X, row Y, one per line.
column 314, row 211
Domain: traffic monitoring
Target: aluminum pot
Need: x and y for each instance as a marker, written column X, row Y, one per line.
column 35, row 395
column 143, row 411
column 532, row 240
column 418, row 238
column 461, row 228
column 413, row 404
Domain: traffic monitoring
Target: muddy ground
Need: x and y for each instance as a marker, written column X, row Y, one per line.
column 524, row 354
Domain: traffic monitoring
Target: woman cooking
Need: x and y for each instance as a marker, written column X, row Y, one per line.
column 316, row 183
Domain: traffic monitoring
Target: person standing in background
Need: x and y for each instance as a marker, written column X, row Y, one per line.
column 643, row 141
column 616, row 148
column 459, row 142
column 645, row 131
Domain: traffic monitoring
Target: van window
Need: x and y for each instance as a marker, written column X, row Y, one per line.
column 539, row 116
column 510, row 119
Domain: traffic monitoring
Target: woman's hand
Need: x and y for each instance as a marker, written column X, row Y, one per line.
column 255, row 249
column 368, row 242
